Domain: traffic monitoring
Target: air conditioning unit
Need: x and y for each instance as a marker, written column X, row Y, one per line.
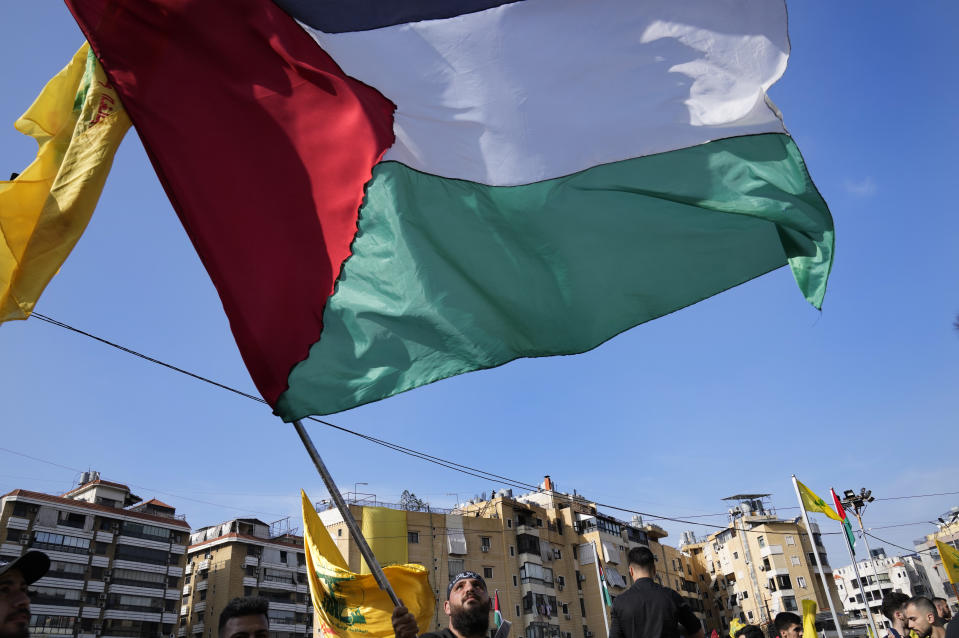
column 762, row 568
column 484, row 548
column 25, row 540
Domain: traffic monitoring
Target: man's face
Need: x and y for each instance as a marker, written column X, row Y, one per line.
column 14, row 605
column 792, row 631
column 920, row 622
column 257, row 626
column 942, row 607
column 467, row 595
column 468, row 607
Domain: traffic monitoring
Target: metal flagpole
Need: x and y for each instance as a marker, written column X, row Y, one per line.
column 341, row 505
column 599, row 582
column 815, row 551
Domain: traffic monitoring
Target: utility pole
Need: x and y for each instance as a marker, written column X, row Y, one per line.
column 856, row 503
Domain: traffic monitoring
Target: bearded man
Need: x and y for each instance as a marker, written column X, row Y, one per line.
column 467, row 605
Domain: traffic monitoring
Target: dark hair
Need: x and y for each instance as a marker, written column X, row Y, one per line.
column 940, row 598
column 750, row 631
column 785, row 620
column 247, row 606
column 892, row 602
column 642, row 558
column 923, row 604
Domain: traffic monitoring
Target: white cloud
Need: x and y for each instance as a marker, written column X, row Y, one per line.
column 862, row 188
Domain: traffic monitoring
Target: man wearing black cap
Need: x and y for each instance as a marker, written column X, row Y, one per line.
column 14, row 600
column 467, row 604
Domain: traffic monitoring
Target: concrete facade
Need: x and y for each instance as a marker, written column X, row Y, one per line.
column 242, row 557
column 116, row 563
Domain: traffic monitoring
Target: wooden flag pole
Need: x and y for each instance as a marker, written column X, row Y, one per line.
column 341, row 505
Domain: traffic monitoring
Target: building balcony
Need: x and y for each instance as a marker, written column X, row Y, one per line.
column 249, row 581
column 770, row 550
column 181, row 632
column 203, row 564
column 251, row 561
column 201, row 585
column 197, row 628
column 199, row 607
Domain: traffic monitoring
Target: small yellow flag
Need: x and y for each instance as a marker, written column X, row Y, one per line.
column 950, row 560
column 351, row 605
column 809, row 608
column 78, row 123
column 813, row 503
column 735, row 625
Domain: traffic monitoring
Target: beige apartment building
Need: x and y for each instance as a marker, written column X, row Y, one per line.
column 245, row 557
column 761, row 565
column 116, row 561
column 537, row 551
column 947, row 533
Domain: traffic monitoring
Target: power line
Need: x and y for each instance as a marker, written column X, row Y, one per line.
column 458, row 467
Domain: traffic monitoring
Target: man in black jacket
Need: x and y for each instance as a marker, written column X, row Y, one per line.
column 649, row 610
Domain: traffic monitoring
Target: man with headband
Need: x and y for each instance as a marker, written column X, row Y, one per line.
column 467, row 605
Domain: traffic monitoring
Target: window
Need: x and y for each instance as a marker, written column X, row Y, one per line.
column 60, row 543
column 761, row 540
column 789, row 603
column 413, row 537
column 282, row 557
column 784, row 582
column 514, row 580
column 736, row 555
column 484, row 543
column 339, row 532
column 539, row 522
column 750, row 614
column 20, row 508
column 794, row 560
column 455, row 566
column 517, row 611
column 142, row 554
column 509, row 523
column 561, row 580
column 582, row 607
column 487, row 572
column 790, row 540
column 766, row 563
column 557, row 554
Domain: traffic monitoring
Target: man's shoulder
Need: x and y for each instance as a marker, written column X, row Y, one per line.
column 442, row 633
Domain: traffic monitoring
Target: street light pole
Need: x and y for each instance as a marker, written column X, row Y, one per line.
column 856, row 503
column 355, row 484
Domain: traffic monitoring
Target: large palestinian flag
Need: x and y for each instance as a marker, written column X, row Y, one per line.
column 390, row 193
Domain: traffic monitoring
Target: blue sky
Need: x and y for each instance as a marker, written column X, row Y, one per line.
column 731, row 395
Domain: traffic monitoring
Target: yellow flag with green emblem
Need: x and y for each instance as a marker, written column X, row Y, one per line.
column 735, row 625
column 809, row 608
column 78, row 122
column 351, row 605
column 950, row 560
column 813, row 503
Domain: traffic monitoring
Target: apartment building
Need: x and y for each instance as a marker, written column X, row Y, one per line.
column 947, row 533
column 760, row 565
column 538, row 550
column 245, row 557
column 116, row 561
column 879, row 575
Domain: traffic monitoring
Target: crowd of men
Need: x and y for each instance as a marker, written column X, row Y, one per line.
column 645, row 610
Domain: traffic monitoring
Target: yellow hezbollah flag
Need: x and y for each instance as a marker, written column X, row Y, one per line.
column 809, row 618
column 950, row 560
column 813, row 503
column 351, row 605
column 385, row 531
column 735, row 625
column 78, row 123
